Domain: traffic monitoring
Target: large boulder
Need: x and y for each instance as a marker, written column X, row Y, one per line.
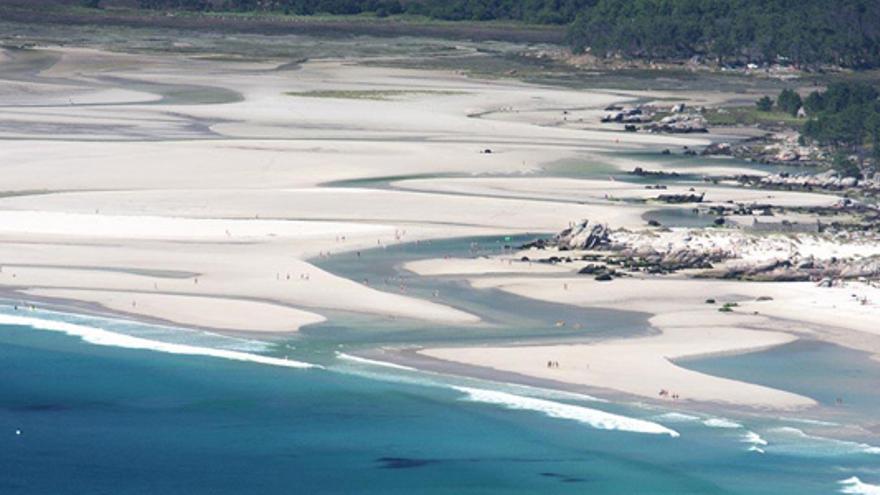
column 582, row 236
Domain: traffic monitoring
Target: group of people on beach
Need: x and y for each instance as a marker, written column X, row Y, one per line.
column 667, row 394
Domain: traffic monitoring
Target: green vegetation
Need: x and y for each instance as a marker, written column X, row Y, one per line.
column 532, row 11
column 844, row 166
column 728, row 307
column 378, row 94
column 765, row 104
column 805, row 32
column 846, row 116
column 789, row 101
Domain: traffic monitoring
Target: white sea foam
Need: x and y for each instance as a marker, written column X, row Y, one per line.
column 788, row 440
column 755, row 448
column 154, row 331
column 856, row 486
column 808, row 421
column 753, row 438
column 675, row 417
column 448, row 381
column 373, row 362
column 99, row 336
column 595, row 418
column 547, row 393
column 721, row 423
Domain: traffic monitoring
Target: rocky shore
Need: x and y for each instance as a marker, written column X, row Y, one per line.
column 779, row 148
column 829, row 180
column 723, row 254
column 676, row 120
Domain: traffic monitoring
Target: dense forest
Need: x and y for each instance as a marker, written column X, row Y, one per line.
column 532, row 11
column 846, row 116
column 801, row 32
column 841, row 32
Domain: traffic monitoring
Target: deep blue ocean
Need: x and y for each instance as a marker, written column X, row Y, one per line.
column 81, row 418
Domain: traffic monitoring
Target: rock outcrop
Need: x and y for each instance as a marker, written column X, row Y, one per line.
column 679, row 124
column 717, row 254
column 582, row 236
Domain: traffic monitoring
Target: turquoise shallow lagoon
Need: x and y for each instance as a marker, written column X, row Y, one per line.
column 149, row 410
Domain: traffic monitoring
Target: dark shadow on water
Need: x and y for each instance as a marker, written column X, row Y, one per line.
column 563, row 478
column 402, row 462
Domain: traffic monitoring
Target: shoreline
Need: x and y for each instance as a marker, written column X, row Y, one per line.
column 246, row 219
column 411, row 360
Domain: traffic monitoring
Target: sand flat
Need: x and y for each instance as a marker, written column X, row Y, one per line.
column 688, row 327
column 227, row 173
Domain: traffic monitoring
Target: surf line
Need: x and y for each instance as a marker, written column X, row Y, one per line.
column 597, row 419
column 98, row 336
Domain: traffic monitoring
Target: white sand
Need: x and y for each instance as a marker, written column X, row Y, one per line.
column 234, row 194
column 689, row 327
column 210, row 312
column 206, row 214
column 607, row 192
column 640, row 367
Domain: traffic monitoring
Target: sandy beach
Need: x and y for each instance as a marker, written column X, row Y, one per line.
column 125, row 191
column 112, row 181
column 688, row 327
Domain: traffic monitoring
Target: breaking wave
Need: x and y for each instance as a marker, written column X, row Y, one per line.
column 856, row 486
column 757, row 443
column 721, row 423
column 792, row 441
column 372, row 362
column 676, row 417
column 102, row 337
column 595, row 418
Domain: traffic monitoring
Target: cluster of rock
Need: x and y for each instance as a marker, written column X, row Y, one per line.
column 802, row 270
column 609, row 254
column 628, row 116
column 829, row 180
column 779, row 148
column 740, row 209
column 681, row 198
column 640, row 172
column 786, row 148
column 718, row 149
column 682, row 123
column 600, row 272
column 679, row 121
column 649, row 260
column 582, row 236
column 730, row 255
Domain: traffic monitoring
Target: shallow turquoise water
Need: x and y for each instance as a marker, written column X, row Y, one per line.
column 819, row 370
column 97, row 419
column 105, row 419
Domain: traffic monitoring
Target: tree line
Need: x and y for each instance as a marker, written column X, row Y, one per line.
column 801, row 32
column 532, row 11
column 845, row 116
